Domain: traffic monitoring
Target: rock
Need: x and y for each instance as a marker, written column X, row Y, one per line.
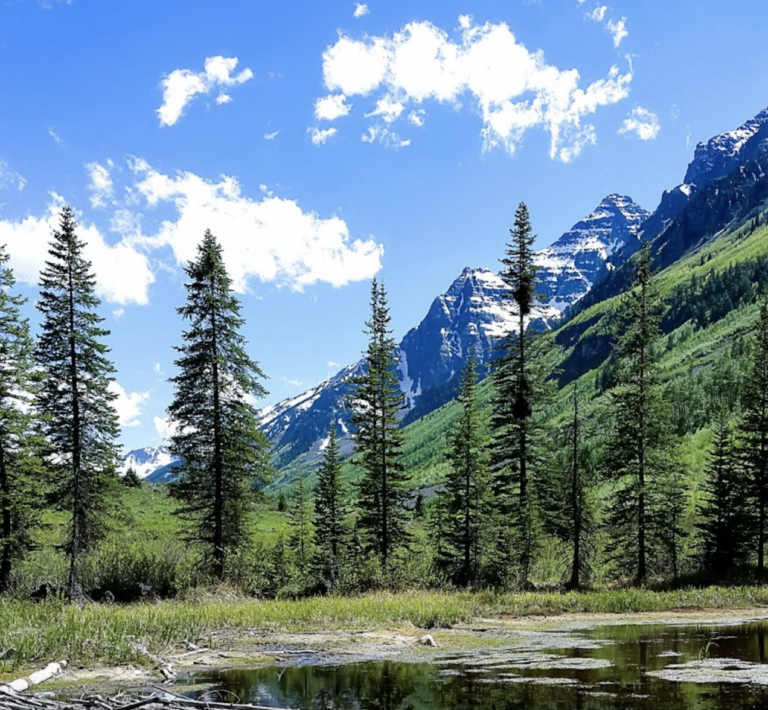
column 427, row 640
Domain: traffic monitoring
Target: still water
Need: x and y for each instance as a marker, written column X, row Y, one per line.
column 649, row 667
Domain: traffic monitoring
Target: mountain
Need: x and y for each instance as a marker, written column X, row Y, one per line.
column 712, row 159
column 147, row 460
column 577, row 260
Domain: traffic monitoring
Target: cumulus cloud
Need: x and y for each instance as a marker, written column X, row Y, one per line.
column 101, row 186
column 329, row 108
column 319, row 136
column 272, row 239
column 513, row 88
column 417, row 117
column 598, row 14
column 182, row 85
column 361, row 9
column 165, row 428
column 641, row 122
column 382, row 134
column 128, row 405
column 123, row 274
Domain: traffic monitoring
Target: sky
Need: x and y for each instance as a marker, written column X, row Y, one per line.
column 325, row 143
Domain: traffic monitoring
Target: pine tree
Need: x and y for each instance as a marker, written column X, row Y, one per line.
column 131, row 479
column 222, row 454
column 331, row 511
column 21, row 473
column 376, row 401
column 641, row 451
column 462, row 505
column 521, row 391
column 300, row 526
column 80, row 422
column 722, row 524
column 753, row 432
column 569, row 497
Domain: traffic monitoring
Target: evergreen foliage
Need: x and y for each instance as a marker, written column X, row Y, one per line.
column 641, row 450
column 521, row 392
column 21, row 473
column 331, row 512
column 131, row 479
column 463, row 507
column 722, row 521
column 376, row 402
column 222, row 454
column 300, row 526
column 753, row 433
column 75, row 399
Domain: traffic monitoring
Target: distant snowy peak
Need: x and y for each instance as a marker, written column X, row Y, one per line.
column 147, row 460
column 571, row 265
column 721, row 154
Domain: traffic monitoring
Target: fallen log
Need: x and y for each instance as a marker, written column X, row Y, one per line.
column 21, row 684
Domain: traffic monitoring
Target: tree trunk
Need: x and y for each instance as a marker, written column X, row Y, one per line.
column 6, row 525
column 218, row 484
column 575, row 497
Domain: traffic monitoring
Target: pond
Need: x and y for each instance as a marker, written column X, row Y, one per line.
column 644, row 666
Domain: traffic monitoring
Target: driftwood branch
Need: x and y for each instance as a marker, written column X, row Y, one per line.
column 22, row 684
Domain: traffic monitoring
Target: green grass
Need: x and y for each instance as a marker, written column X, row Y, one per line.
column 99, row 634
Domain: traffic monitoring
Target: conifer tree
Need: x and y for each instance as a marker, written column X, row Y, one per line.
column 222, row 454
column 131, row 479
column 641, row 450
column 753, row 432
column 376, row 401
column 80, row 422
column 569, row 496
column 300, row 525
column 520, row 393
column 331, row 511
column 463, row 505
column 722, row 521
column 21, row 474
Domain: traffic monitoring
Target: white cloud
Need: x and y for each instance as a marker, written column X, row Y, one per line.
column 56, row 137
column 10, row 178
column 123, row 275
column 118, row 313
column 165, row 427
column 101, row 187
column 333, row 364
column 271, row 136
column 388, row 109
column 182, row 85
column 271, row 239
column 329, row 108
column 642, row 122
column 158, row 370
column 417, row 117
column 598, row 14
column 321, row 136
column 513, row 88
column 292, row 382
column 618, row 30
column 361, row 9
column 128, row 405
column 382, row 134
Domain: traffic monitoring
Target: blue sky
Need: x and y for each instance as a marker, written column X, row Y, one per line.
column 327, row 142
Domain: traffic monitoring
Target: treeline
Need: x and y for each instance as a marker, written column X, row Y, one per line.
column 605, row 486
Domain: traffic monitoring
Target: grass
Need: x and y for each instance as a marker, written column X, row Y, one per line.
column 99, row 634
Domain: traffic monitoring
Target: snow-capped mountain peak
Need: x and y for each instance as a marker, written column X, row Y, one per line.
column 147, row 460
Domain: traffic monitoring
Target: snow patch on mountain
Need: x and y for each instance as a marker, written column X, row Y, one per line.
column 146, row 461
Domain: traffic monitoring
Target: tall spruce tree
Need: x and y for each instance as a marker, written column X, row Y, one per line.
column 569, row 496
column 331, row 512
column 21, row 473
column 300, row 526
column 753, row 432
column 80, row 422
column 641, row 450
column 463, row 505
column 520, row 394
column 721, row 520
column 222, row 454
column 376, row 401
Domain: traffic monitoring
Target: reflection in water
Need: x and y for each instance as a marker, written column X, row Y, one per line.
column 503, row 679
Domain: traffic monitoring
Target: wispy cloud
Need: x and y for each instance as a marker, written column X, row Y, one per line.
column 320, row 136
column 182, row 85
column 641, row 123
column 361, row 9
